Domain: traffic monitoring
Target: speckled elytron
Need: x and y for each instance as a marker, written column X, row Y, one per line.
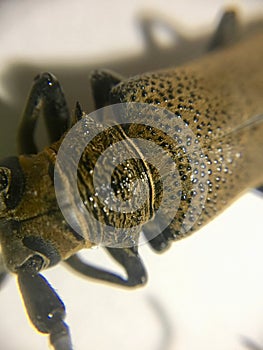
column 219, row 98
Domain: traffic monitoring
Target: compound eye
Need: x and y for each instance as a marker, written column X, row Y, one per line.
column 5, row 178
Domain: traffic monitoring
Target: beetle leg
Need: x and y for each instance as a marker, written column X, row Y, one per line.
column 159, row 243
column 127, row 257
column 260, row 189
column 3, row 273
column 130, row 260
column 46, row 95
column 44, row 307
column 3, row 276
column 102, row 81
column 227, row 31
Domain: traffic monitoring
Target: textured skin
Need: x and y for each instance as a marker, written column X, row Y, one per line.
column 213, row 133
column 220, row 97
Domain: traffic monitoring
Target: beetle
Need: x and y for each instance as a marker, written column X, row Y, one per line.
column 226, row 117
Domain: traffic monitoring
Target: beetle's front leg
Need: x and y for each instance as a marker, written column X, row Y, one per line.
column 47, row 96
column 130, row 260
column 44, row 307
column 126, row 257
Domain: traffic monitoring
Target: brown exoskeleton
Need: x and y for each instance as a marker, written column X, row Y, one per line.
column 218, row 97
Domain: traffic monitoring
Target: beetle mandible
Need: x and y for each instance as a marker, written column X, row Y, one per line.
column 219, row 97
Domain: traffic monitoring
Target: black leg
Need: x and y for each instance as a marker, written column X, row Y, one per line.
column 102, row 81
column 227, row 31
column 128, row 258
column 44, row 307
column 163, row 241
column 46, row 95
column 260, row 189
column 159, row 243
column 3, row 276
column 3, row 273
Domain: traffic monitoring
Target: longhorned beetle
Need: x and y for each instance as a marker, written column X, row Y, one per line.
column 217, row 100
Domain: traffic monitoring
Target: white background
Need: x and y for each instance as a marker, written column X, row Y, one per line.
column 206, row 291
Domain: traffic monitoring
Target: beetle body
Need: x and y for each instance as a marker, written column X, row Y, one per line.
column 219, row 98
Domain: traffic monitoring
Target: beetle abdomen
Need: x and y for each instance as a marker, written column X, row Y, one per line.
column 220, row 99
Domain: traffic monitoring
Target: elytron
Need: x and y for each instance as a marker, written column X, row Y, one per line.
column 219, row 97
